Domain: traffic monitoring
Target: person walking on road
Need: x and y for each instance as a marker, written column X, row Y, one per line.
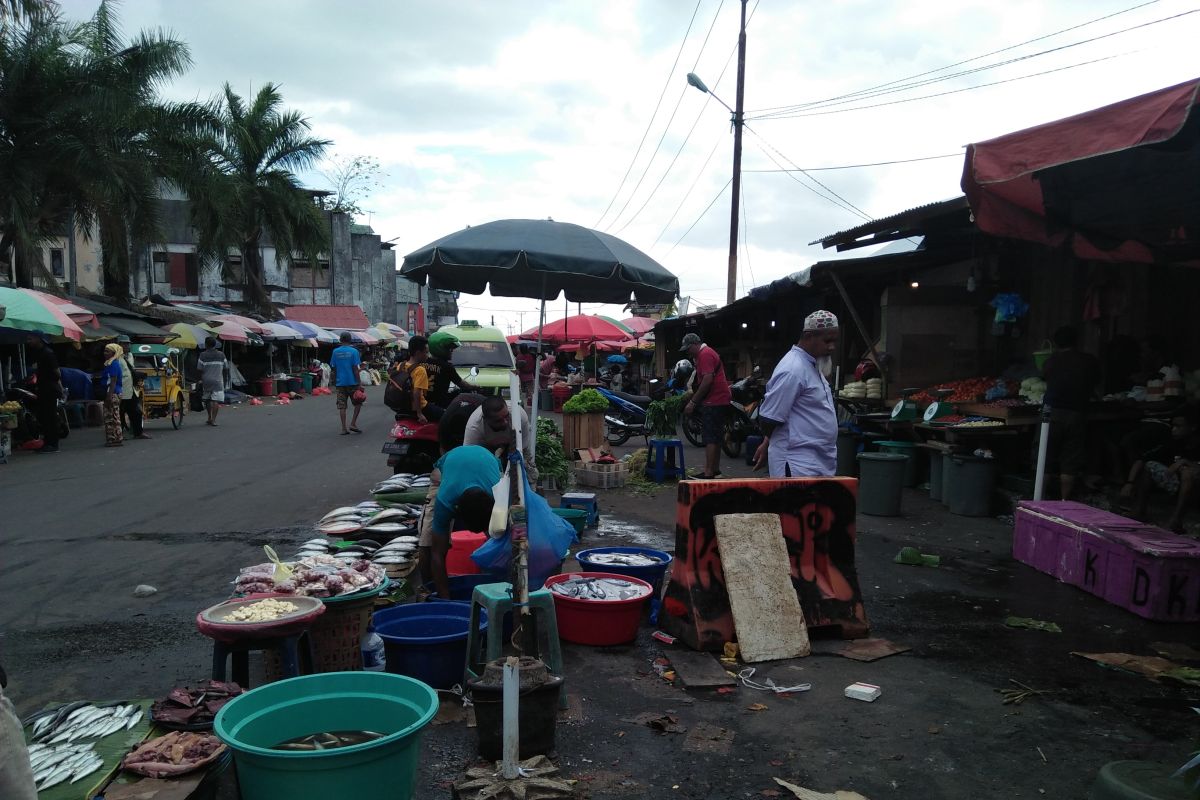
column 49, row 391
column 345, row 361
column 112, row 376
column 212, row 379
column 712, row 398
column 797, row 415
column 131, row 392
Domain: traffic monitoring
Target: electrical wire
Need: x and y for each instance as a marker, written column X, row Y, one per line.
column 658, row 147
column 746, row 241
column 859, row 166
column 650, row 124
column 955, row 91
column 702, row 213
column 955, row 64
column 835, row 199
column 688, row 193
column 794, row 111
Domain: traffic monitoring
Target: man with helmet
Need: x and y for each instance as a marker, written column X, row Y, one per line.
column 442, row 372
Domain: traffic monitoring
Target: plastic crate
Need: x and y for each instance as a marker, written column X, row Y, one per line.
column 602, row 476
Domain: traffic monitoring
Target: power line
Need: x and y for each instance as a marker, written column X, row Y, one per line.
column 702, row 213
column 836, row 200
column 957, row 63
column 650, row 124
column 953, row 91
column 688, row 193
column 786, row 114
column 661, row 139
column 746, row 241
column 859, row 166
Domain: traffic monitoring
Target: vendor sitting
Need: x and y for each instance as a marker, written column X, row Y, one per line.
column 463, row 502
column 1171, row 469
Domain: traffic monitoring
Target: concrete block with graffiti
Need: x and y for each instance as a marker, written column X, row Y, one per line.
column 817, row 516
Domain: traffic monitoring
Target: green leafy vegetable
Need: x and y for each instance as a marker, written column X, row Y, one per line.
column 589, row 401
column 551, row 461
column 663, row 415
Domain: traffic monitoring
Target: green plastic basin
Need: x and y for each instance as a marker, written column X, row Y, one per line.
column 576, row 516
column 395, row 705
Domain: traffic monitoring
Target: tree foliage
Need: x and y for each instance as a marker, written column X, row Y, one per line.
column 353, row 179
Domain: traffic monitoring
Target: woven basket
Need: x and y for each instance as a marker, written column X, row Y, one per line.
column 336, row 638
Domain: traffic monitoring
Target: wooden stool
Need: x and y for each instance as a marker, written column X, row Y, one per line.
column 662, row 451
column 585, row 501
column 496, row 600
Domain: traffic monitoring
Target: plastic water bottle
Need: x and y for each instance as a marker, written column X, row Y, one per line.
column 374, row 657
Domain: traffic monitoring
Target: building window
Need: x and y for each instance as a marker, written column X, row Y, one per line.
column 302, row 276
column 185, row 278
column 160, row 267
column 56, row 263
column 235, row 274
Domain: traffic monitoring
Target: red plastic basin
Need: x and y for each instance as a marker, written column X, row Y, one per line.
column 597, row 622
column 462, row 544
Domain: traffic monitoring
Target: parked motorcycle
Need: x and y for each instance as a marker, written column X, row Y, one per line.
column 28, row 425
column 626, row 416
column 741, row 420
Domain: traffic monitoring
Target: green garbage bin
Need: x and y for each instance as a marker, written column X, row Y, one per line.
column 307, row 382
column 880, row 483
column 936, row 461
column 972, row 482
column 904, row 449
column 847, row 454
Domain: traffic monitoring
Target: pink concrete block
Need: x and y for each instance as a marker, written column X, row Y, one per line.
column 1150, row 571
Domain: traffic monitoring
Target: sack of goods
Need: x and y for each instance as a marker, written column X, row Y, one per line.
column 870, row 389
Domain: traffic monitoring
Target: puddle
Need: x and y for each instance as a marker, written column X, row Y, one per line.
column 614, row 531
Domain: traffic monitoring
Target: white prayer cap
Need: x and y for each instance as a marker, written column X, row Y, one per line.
column 820, row 320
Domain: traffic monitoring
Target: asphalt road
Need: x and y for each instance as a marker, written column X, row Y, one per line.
column 181, row 512
column 80, row 530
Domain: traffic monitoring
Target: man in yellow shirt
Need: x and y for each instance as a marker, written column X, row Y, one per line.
column 418, row 353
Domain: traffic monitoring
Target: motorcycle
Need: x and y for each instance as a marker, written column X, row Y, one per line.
column 28, row 425
column 626, row 416
column 741, row 420
column 414, row 447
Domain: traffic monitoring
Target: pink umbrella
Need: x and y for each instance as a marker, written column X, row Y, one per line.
column 579, row 328
column 639, row 325
column 76, row 312
column 70, row 329
column 251, row 325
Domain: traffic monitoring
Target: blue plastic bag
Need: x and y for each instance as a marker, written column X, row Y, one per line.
column 1009, row 307
column 550, row 539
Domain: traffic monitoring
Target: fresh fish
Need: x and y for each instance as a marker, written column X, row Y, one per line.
column 341, row 510
column 134, row 719
column 341, row 527
column 87, row 768
column 388, row 513
column 383, row 527
column 604, row 589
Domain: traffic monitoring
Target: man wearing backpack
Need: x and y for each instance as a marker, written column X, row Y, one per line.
column 408, row 383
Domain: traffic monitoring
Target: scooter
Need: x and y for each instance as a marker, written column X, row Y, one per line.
column 742, row 421
column 28, row 425
column 626, row 416
column 414, row 447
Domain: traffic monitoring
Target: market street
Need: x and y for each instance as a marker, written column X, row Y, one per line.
column 185, row 511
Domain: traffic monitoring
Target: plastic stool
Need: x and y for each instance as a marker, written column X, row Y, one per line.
column 288, row 647
column 585, row 501
column 497, row 600
column 657, row 467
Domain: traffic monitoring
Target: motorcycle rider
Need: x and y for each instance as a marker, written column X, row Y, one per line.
column 441, row 372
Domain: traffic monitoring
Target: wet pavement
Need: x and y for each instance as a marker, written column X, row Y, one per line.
column 185, row 511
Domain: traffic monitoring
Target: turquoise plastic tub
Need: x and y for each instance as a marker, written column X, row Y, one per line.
column 395, row 705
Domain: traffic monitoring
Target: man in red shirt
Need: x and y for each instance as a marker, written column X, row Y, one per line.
column 712, row 398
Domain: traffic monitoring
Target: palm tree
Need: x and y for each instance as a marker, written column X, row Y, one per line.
column 246, row 193
column 77, row 115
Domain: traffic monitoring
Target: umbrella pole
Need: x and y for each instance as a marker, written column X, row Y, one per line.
column 537, row 379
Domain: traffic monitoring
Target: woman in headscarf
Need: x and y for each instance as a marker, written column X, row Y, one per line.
column 111, row 376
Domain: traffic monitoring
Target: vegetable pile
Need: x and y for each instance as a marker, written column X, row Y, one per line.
column 313, row 576
column 663, row 415
column 965, row 391
column 589, row 401
column 551, row 461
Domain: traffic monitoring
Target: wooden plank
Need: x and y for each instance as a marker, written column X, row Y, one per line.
column 766, row 611
column 699, row 670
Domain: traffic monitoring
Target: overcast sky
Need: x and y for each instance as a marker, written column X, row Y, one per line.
column 491, row 109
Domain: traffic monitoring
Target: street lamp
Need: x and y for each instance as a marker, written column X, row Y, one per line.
column 694, row 80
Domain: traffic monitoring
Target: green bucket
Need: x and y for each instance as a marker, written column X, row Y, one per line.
column 395, row 705
column 576, row 516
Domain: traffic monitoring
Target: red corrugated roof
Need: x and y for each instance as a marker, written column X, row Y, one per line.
column 329, row 316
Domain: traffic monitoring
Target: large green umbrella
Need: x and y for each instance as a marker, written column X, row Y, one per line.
column 27, row 310
column 541, row 259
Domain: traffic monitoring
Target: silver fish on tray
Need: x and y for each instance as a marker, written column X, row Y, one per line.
column 604, row 589
column 623, row 559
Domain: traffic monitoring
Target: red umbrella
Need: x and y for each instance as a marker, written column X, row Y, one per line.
column 639, row 325
column 252, row 325
column 579, row 328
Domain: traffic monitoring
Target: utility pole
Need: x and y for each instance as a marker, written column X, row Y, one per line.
column 731, row 287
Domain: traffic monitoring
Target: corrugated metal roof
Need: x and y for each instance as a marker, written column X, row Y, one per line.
column 351, row 317
column 896, row 222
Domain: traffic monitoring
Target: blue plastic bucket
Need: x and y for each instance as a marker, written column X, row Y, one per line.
column 652, row 574
column 393, row 705
column 427, row 641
